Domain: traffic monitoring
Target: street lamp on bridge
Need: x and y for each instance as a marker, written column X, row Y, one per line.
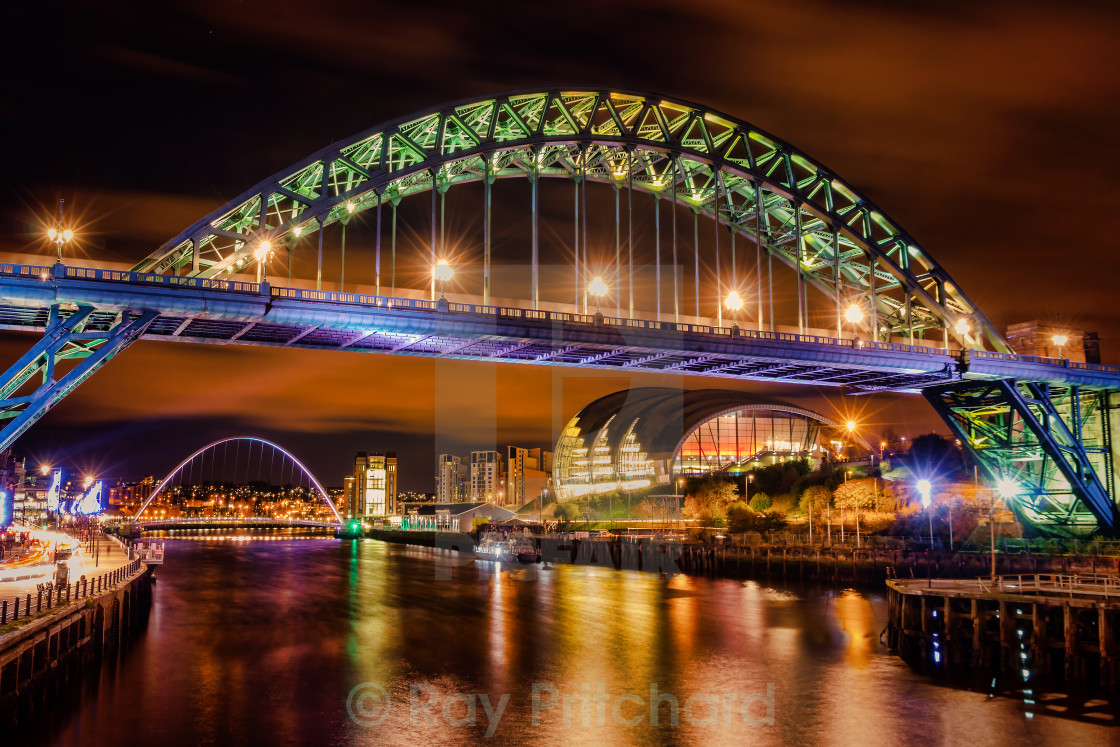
column 1060, row 340
column 442, row 272
column 598, row 288
column 61, row 234
column 263, row 254
column 734, row 302
column 854, row 315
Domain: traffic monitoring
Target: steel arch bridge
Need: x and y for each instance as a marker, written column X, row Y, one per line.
column 1046, row 424
column 745, row 179
column 212, row 446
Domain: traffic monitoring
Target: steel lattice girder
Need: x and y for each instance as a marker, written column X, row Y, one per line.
column 70, row 334
column 1054, row 442
column 716, row 165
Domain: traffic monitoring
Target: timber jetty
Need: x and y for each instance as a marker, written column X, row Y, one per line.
column 1046, row 627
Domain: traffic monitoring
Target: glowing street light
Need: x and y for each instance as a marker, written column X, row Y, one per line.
column 88, row 481
column 44, row 469
column 442, row 272
column 598, row 288
column 1060, row 340
column 851, row 426
column 963, row 327
column 854, row 315
column 924, row 487
column 263, row 253
column 1007, row 488
column 60, row 235
column 734, row 301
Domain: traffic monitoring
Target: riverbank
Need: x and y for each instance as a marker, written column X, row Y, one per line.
column 813, row 562
column 57, row 640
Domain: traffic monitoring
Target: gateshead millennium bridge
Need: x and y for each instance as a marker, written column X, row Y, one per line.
column 863, row 305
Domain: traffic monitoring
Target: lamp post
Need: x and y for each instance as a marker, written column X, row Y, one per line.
column 61, row 234
column 1008, row 489
column 442, row 272
column 263, row 253
column 734, row 302
column 597, row 288
column 963, row 328
column 924, row 487
column 853, row 315
column 1060, row 340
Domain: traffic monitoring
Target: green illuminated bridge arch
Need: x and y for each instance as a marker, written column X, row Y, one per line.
column 754, row 184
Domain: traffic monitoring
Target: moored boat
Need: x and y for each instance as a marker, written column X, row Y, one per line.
column 527, row 552
column 488, row 549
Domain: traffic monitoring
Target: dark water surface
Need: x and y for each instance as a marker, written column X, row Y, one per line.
column 288, row 642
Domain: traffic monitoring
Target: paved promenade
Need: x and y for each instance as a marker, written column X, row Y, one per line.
column 20, row 579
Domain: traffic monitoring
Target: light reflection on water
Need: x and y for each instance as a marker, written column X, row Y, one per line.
column 262, row 642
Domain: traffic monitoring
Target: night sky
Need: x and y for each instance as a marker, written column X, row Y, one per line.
column 987, row 130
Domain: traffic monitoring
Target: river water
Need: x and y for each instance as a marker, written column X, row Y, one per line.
column 322, row 642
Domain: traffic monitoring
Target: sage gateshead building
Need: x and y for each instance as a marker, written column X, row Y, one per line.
column 645, row 437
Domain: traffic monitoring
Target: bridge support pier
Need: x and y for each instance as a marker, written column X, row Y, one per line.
column 84, row 335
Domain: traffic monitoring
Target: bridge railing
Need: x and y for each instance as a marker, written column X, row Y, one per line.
column 389, row 302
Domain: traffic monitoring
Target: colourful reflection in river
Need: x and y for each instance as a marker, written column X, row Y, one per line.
column 360, row 642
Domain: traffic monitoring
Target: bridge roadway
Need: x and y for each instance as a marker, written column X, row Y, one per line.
column 232, row 522
column 236, row 312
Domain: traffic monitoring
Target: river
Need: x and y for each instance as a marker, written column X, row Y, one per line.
column 317, row 641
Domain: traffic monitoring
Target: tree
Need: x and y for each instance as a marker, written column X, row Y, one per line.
column 645, row 510
column 710, row 501
column 933, row 454
column 760, row 502
column 815, row 500
column 857, row 494
column 567, row 512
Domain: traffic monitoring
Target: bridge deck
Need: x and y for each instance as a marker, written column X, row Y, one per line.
column 236, row 312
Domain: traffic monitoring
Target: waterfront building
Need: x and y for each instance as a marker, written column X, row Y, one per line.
column 528, row 472
column 452, row 479
column 487, row 477
column 458, row 517
column 640, row 438
column 372, row 488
